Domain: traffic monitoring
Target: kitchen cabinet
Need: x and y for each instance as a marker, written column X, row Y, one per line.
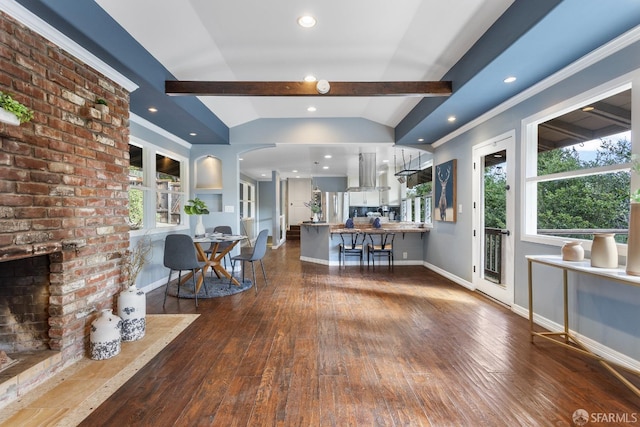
column 363, row 198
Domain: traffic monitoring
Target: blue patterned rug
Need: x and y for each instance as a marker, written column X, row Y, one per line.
column 211, row 288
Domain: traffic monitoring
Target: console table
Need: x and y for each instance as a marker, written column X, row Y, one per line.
column 565, row 338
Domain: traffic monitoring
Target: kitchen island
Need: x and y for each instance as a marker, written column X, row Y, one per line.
column 319, row 242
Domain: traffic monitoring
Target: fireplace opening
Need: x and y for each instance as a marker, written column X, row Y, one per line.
column 24, row 305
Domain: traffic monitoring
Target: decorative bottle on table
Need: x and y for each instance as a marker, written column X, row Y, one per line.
column 604, row 252
column 572, row 251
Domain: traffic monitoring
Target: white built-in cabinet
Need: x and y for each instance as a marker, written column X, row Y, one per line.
column 363, row 198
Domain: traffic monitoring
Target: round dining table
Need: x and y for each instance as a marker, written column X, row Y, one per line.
column 214, row 261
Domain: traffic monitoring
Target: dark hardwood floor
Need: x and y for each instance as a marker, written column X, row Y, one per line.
column 322, row 346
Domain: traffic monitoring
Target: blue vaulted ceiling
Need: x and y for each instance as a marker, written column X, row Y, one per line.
column 532, row 40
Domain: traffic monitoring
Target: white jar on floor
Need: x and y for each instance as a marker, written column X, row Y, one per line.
column 132, row 308
column 104, row 338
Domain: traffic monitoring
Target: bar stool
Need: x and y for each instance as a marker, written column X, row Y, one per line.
column 380, row 244
column 352, row 245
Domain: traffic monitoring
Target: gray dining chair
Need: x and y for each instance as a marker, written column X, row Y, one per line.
column 180, row 255
column 257, row 253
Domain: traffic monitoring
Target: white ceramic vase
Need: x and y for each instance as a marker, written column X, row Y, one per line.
column 604, row 252
column 572, row 251
column 315, row 217
column 104, row 338
column 633, row 241
column 200, row 230
column 132, row 308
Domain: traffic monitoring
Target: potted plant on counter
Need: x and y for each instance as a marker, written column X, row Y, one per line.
column 12, row 112
column 197, row 207
column 315, row 209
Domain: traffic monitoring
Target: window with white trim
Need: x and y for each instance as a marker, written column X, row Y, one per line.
column 156, row 187
column 577, row 167
column 247, row 200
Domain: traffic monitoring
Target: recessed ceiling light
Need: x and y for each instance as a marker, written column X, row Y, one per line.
column 309, row 78
column 420, row 139
column 153, row 109
column 588, row 108
column 311, row 109
column 451, row 119
column 327, row 156
column 325, row 167
column 241, row 159
column 294, row 171
column 193, row 134
column 306, row 21
column 385, row 161
column 510, row 79
column 264, row 174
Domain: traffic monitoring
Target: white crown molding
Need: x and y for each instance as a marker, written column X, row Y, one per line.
column 591, row 58
column 157, row 129
column 36, row 24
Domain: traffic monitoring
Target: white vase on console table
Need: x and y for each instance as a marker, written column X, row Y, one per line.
column 604, row 252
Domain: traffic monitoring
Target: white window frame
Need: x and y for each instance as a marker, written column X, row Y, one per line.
column 248, row 203
column 150, row 191
column 529, row 160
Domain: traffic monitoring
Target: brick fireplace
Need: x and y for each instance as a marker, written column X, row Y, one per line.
column 63, row 190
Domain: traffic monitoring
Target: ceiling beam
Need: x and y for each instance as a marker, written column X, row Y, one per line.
column 247, row 88
column 617, row 115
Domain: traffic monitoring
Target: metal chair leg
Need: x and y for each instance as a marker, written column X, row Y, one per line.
column 263, row 273
column 253, row 269
column 167, row 289
column 179, row 281
column 193, row 277
column 233, row 267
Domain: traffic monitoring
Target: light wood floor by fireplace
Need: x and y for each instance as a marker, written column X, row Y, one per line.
column 322, row 346
column 69, row 396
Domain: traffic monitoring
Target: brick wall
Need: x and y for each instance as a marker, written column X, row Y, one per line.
column 24, row 304
column 63, row 179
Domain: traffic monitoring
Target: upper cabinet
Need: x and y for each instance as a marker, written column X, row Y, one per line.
column 363, row 198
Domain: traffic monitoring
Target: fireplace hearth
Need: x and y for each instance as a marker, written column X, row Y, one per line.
column 24, row 304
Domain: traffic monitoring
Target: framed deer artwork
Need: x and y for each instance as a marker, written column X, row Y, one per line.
column 445, row 192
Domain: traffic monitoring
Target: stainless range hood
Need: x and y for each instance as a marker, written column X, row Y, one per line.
column 367, row 174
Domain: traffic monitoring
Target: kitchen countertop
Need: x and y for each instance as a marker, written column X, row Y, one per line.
column 403, row 227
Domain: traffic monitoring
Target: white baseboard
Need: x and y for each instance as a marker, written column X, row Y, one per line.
column 594, row 346
column 315, row 260
column 460, row 281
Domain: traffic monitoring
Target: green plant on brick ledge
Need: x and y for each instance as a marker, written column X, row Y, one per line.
column 9, row 104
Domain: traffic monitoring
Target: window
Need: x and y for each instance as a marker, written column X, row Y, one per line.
column 136, row 181
column 168, row 197
column 578, row 179
column 156, row 187
column 247, row 200
column 418, row 205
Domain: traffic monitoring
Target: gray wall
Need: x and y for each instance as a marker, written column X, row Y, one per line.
column 605, row 312
column 266, row 202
